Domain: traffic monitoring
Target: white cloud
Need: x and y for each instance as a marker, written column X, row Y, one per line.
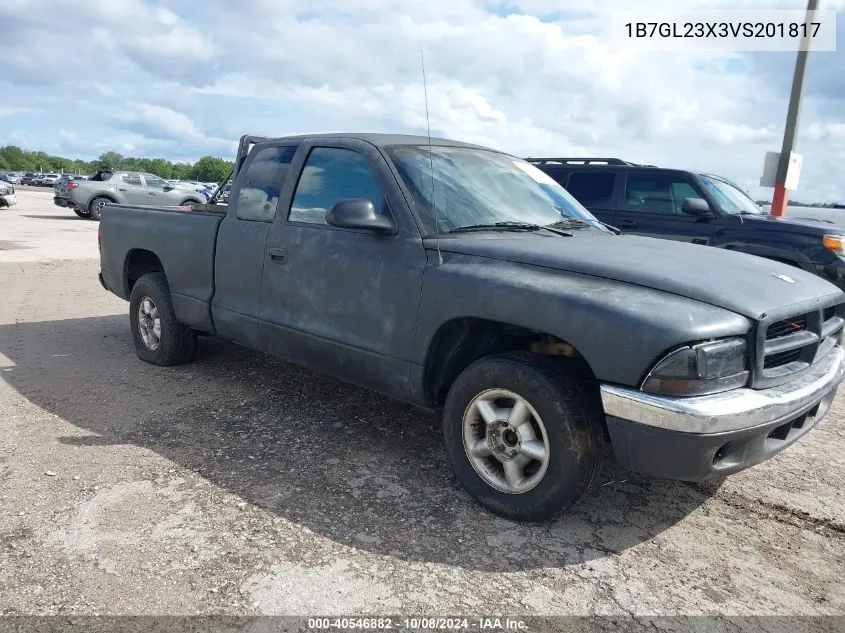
column 185, row 77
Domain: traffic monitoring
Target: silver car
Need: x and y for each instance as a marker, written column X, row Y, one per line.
column 88, row 197
column 7, row 194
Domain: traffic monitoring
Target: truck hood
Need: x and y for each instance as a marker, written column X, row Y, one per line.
column 805, row 222
column 744, row 284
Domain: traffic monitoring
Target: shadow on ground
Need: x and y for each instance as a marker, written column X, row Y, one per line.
column 334, row 458
column 72, row 216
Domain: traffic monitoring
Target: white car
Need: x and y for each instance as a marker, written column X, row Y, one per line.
column 48, row 180
column 7, row 195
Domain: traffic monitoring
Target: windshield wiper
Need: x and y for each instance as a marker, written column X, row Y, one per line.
column 501, row 226
column 570, row 223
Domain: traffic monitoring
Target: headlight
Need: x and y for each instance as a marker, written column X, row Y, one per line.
column 700, row 369
column 835, row 243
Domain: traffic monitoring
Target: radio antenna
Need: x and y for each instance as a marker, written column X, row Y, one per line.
column 431, row 162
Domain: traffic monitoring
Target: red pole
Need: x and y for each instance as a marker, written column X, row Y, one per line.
column 780, row 200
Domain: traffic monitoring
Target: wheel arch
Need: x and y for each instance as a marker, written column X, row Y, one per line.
column 102, row 194
column 139, row 262
column 461, row 341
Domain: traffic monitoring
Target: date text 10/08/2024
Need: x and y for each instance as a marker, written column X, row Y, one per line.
column 417, row 624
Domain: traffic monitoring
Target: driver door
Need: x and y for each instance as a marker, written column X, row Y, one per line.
column 156, row 193
column 132, row 189
column 651, row 206
column 343, row 301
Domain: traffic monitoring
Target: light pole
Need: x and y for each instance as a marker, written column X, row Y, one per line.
column 781, row 197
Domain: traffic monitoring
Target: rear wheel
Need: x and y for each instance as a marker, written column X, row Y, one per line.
column 159, row 338
column 95, row 207
column 523, row 435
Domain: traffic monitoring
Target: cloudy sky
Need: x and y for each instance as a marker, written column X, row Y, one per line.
column 184, row 78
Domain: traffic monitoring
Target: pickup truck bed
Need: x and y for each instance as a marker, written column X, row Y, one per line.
column 142, row 230
column 468, row 281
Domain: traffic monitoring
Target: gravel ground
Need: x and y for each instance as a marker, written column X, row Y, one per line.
column 240, row 484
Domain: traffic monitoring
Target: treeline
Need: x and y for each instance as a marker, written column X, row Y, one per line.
column 818, row 205
column 206, row 169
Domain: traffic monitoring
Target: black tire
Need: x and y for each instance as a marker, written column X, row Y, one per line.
column 82, row 214
column 177, row 343
column 94, row 207
column 572, row 417
column 189, row 202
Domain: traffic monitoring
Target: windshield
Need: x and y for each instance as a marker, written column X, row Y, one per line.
column 481, row 187
column 731, row 199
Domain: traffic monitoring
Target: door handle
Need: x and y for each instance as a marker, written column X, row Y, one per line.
column 152, row 193
column 278, row 255
column 119, row 189
column 629, row 224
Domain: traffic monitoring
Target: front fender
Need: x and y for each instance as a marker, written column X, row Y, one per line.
column 619, row 328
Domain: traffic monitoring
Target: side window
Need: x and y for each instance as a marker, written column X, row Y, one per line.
column 657, row 193
column 155, row 181
column 592, row 188
column 680, row 192
column 262, row 183
column 132, row 179
column 330, row 175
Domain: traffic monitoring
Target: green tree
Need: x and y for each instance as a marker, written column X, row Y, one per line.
column 109, row 160
column 211, row 169
column 15, row 158
column 207, row 168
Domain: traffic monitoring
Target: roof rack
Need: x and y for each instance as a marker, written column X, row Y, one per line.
column 580, row 161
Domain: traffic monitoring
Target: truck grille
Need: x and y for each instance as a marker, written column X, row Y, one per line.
column 791, row 345
column 787, row 326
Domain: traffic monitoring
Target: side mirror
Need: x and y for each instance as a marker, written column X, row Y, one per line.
column 168, row 188
column 697, row 207
column 359, row 213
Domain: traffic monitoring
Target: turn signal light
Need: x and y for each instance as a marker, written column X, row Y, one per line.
column 834, row 243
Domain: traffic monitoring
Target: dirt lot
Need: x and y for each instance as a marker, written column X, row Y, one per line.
column 244, row 485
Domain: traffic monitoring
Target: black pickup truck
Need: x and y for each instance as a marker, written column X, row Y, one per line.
column 700, row 208
column 460, row 278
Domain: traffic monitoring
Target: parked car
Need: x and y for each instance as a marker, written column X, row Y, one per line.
column 66, row 178
column 29, row 178
column 48, row 180
column 699, row 208
column 7, row 194
column 12, row 179
column 536, row 329
column 88, row 197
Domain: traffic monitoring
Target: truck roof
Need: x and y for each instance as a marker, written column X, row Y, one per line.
column 385, row 140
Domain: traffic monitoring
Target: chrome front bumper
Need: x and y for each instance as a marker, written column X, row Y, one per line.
column 9, row 200
column 731, row 410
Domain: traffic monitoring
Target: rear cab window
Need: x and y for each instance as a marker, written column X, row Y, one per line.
column 261, row 182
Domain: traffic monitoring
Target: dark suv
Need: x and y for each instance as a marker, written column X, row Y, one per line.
column 695, row 207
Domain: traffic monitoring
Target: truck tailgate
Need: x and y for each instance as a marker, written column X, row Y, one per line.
column 183, row 240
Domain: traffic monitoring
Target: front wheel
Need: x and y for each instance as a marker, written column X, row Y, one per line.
column 159, row 338
column 82, row 214
column 523, row 435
